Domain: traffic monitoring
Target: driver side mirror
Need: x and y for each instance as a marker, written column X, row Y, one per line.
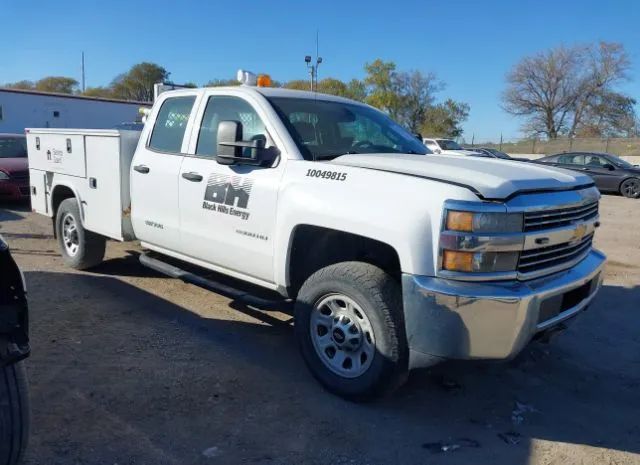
column 608, row 166
column 231, row 149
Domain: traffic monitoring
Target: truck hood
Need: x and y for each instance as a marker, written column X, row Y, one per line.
column 490, row 178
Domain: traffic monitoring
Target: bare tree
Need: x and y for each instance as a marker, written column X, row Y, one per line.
column 559, row 89
column 604, row 65
column 417, row 95
column 543, row 88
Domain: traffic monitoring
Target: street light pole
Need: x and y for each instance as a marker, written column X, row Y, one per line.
column 313, row 71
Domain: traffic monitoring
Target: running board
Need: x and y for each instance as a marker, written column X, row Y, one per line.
column 192, row 278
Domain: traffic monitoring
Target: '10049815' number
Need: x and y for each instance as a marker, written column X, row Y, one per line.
column 332, row 175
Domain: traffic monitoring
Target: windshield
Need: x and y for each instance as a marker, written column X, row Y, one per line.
column 448, row 144
column 620, row 162
column 13, row 147
column 325, row 129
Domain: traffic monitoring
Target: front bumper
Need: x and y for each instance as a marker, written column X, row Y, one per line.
column 14, row 189
column 447, row 319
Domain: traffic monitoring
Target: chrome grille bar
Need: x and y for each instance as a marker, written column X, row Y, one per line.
column 554, row 218
column 541, row 258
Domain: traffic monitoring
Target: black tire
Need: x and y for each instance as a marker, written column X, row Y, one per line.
column 14, row 413
column 90, row 247
column 630, row 188
column 379, row 297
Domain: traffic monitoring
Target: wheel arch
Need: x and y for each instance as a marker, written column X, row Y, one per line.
column 312, row 247
column 59, row 193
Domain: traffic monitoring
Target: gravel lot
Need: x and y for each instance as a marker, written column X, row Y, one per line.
column 129, row 367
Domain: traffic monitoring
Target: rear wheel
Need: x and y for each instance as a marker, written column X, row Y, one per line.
column 350, row 328
column 14, row 413
column 630, row 188
column 81, row 249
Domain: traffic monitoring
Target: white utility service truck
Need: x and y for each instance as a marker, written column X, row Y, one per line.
column 395, row 258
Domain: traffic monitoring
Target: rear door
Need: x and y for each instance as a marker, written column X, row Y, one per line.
column 571, row 161
column 228, row 211
column 155, row 171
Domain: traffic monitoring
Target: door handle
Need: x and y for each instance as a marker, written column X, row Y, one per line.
column 195, row 177
column 141, row 169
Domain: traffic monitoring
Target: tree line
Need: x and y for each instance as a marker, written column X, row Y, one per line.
column 573, row 91
column 565, row 91
column 409, row 97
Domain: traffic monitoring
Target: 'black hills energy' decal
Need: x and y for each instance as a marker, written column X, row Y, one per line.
column 228, row 194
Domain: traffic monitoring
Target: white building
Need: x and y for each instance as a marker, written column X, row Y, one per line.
column 20, row 109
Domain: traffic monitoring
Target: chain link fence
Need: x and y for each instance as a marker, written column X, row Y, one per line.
column 625, row 147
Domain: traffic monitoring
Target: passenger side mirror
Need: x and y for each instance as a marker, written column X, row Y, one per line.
column 608, row 166
column 231, row 149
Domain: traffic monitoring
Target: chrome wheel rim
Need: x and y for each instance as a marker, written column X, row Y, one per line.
column 70, row 237
column 342, row 335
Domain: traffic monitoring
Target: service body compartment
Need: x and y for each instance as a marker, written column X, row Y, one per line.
column 94, row 164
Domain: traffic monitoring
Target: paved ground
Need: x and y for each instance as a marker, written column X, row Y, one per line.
column 129, row 367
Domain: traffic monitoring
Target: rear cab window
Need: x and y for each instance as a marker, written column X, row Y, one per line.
column 171, row 124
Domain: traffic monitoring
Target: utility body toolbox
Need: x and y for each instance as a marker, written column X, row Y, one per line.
column 92, row 163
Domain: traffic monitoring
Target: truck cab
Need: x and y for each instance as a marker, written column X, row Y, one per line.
column 395, row 259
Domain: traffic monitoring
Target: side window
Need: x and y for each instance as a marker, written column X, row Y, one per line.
column 571, row 159
column 171, row 123
column 226, row 108
column 594, row 161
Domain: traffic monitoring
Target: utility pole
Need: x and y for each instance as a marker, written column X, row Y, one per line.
column 83, row 82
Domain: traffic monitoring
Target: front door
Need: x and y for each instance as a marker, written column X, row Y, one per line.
column 155, row 174
column 604, row 173
column 228, row 211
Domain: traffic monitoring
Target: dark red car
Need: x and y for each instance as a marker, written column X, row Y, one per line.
column 14, row 167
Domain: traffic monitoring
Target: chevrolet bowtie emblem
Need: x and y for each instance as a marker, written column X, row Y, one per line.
column 579, row 232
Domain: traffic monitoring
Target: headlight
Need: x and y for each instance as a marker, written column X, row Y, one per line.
column 3, row 175
column 484, row 222
column 474, row 242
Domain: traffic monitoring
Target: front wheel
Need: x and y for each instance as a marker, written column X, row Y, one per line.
column 630, row 188
column 81, row 249
column 14, row 413
column 350, row 329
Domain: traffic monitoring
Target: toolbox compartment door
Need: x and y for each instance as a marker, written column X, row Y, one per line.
column 39, row 192
column 57, row 153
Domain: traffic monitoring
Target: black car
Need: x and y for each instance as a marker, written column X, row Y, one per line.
column 494, row 153
column 610, row 173
column 14, row 348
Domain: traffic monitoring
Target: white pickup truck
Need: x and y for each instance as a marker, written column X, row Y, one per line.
column 447, row 147
column 395, row 258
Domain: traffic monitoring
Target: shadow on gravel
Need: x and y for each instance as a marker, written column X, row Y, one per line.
column 12, row 211
column 120, row 375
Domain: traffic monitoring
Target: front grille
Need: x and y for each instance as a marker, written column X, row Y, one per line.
column 553, row 255
column 548, row 219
